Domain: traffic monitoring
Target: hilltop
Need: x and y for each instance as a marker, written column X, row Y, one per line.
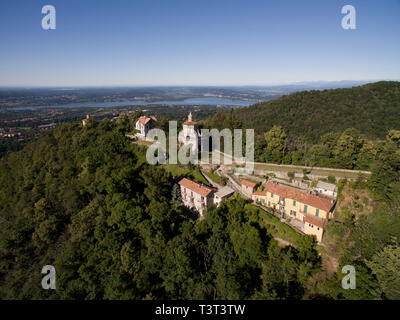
column 372, row 109
column 339, row 128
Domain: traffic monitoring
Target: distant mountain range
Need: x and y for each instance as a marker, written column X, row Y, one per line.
column 26, row 97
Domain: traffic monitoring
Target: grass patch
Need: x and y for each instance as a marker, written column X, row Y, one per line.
column 277, row 228
column 215, row 177
column 181, row 171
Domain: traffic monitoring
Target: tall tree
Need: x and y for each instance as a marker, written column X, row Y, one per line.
column 276, row 144
column 386, row 266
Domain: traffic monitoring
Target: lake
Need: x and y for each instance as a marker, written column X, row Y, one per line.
column 189, row 101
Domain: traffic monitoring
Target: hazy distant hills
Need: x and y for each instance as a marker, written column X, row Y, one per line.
column 373, row 109
column 24, row 97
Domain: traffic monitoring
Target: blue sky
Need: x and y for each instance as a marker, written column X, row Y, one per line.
column 196, row 42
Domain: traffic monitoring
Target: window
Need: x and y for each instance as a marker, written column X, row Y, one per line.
column 272, row 195
column 310, row 225
column 269, row 203
column 292, row 213
column 317, row 212
column 262, row 201
column 305, row 208
column 318, row 228
column 294, row 202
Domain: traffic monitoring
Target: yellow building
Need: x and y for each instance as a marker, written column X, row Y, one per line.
column 312, row 211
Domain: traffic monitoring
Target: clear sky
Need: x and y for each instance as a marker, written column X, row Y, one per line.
column 196, row 42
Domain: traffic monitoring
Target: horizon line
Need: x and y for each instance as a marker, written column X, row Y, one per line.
column 190, row 85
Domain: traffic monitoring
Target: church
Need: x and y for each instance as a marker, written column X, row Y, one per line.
column 191, row 135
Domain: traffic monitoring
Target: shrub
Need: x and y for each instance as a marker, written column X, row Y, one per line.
column 331, row 179
column 341, row 184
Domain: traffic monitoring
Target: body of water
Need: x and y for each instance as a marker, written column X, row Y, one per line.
column 189, row 101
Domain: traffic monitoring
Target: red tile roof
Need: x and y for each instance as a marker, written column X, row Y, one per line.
column 315, row 221
column 143, row 119
column 248, row 183
column 300, row 196
column 195, row 187
column 259, row 193
column 190, row 123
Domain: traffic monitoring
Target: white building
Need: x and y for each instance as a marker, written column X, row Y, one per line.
column 190, row 135
column 85, row 121
column 326, row 189
column 221, row 194
column 195, row 195
column 145, row 124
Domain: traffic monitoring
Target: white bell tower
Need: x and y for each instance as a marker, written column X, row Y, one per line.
column 190, row 134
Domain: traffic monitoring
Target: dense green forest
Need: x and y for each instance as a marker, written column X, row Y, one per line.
column 372, row 109
column 85, row 201
column 340, row 128
column 353, row 128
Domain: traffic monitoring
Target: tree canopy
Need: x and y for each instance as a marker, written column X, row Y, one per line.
column 85, row 200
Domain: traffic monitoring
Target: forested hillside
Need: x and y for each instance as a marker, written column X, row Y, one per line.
column 340, row 128
column 372, row 109
column 85, row 201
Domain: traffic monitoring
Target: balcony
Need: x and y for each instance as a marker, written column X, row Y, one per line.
column 313, row 216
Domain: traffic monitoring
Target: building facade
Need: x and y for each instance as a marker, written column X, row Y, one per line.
column 309, row 209
column 191, row 135
column 247, row 187
column 85, row 121
column 223, row 193
column 145, row 124
column 196, row 196
column 326, row 189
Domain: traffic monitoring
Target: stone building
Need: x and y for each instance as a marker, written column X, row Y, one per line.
column 326, row 189
column 196, row 196
column 247, row 187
